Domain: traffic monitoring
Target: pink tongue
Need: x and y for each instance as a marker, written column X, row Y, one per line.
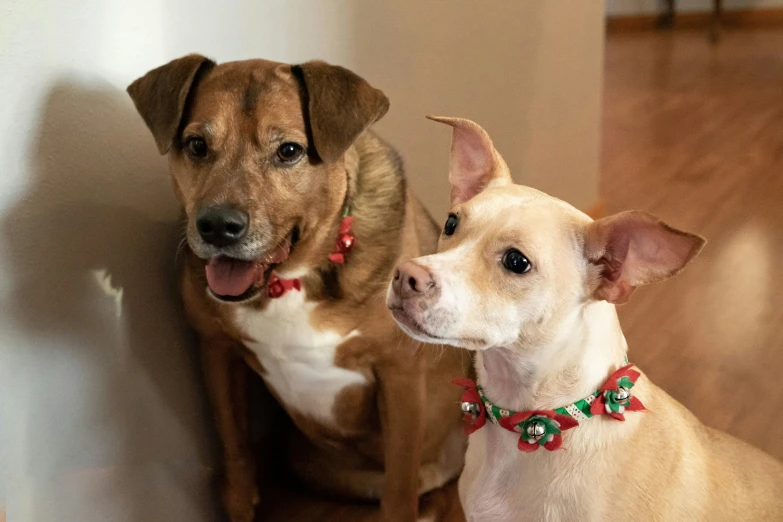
column 232, row 277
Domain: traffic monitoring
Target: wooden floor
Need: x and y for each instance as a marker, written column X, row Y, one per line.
column 693, row 133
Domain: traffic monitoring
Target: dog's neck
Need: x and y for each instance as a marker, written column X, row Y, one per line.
column 587, row 348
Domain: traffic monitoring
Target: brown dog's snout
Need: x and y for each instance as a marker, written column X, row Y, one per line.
column 222, row 226
column 412, row 280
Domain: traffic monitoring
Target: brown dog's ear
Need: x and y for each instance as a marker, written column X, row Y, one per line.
column 160, row 96
column 474, row 162
column 636, row 248
column 340, row 106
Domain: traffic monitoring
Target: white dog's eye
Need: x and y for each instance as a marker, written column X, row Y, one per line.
column 451, row 224
column 515, row 261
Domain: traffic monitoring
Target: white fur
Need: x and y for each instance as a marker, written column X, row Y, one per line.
column 298, row 359
column 458, row 299
column 455, row 297
column 500, row 483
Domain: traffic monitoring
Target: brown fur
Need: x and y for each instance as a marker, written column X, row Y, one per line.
column 393, row 431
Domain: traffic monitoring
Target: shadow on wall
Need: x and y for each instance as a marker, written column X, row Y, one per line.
column 113, row 408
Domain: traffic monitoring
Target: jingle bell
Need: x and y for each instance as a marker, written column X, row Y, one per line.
column 622, row 395
column 275, row 289
column 470, row 408
column 535, row 430
column 345, row 241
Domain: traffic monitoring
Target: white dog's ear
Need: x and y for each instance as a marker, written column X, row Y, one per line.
column 474, row 163
column 636, row 248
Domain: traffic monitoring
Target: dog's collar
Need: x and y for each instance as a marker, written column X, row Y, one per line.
column 277, row 287
column 545, row 427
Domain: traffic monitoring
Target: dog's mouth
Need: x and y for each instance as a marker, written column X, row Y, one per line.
column 422, row 332
column 413, row 327
column 234, row 280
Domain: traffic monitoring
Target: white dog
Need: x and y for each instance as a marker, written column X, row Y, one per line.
column 565, row 430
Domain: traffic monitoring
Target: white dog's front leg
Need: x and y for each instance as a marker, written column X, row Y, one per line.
column 474, row 461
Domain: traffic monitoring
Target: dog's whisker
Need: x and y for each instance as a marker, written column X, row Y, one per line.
column 180, row 248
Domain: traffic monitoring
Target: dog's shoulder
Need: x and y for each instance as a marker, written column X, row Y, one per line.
column 678, row 453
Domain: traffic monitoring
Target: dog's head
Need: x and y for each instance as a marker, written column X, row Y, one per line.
column 257, row 158
column 514, row 264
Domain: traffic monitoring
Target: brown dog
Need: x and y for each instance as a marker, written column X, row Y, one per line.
column 267, row 159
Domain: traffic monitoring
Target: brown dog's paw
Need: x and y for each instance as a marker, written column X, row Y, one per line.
column 239, row 491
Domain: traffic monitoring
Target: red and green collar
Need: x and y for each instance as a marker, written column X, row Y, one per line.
column 277, row 287
column 545, row 427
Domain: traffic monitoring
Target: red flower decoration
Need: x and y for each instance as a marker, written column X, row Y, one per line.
column 471, row 395
column 277, row 287
column 345, row 241
column 615, row 395
column 552, row 425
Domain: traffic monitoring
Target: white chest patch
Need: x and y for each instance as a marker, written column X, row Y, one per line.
column 298, row 360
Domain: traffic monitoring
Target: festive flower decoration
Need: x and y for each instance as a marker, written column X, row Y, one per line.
column 345, row 241
column 615, row 397
column 472, row 406
column 277, row 287
column 544, row 428
column 539, row 428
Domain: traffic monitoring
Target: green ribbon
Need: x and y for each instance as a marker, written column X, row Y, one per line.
column 583, row 405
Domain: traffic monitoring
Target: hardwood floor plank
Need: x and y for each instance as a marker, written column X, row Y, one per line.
column 694, row 133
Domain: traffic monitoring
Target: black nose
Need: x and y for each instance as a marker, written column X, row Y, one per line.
column 221, row 226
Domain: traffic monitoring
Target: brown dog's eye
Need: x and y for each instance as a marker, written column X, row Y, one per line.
column 515, row 261
column 289, row 152
column 196, row 147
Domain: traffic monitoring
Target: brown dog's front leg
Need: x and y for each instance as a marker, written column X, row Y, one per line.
column 401, row 406
column 226, row 379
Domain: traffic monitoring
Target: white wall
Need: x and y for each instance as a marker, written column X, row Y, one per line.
column 101, row 412
column 528, row 72
column 633, row 7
